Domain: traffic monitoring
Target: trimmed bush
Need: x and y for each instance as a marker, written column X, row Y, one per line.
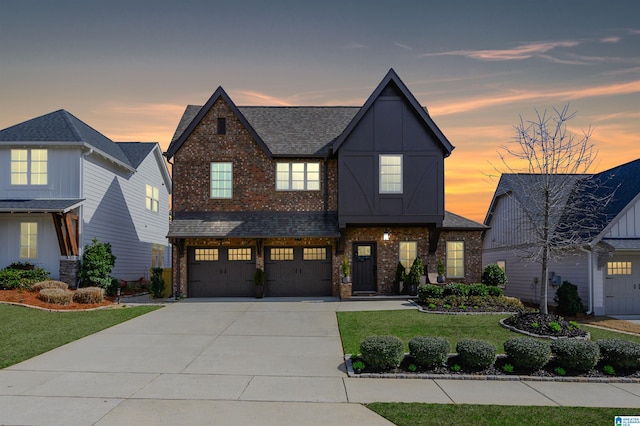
column 12, row 278
column 477, row 290
column 581, row 355
column 456, row 289
column 429, row 352
column 426, row 291
column 157, row 281
column 569, row 303
column 89, row 295
column 49, row 284
column 97, row 263
column 527, row 353
column 476, row 354
column 57, row 296
column 620, row 353
column 382, row 352
column 495, row 291
column 493, row 275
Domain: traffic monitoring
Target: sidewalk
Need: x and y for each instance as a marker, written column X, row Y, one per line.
column 242, row 361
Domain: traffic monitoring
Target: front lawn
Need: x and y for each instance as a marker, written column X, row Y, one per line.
column 29, row 332
column 473, row 415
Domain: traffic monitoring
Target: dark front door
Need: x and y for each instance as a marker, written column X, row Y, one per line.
column 363, row 267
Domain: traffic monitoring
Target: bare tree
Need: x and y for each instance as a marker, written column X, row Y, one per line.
column 548, row 167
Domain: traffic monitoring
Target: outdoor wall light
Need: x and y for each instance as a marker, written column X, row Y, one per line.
column 385, row 236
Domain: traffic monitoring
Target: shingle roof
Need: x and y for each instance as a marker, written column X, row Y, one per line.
column 45, row 206
column 136, row 152
column 62, row 126
column 254, row 225
column 454, row 221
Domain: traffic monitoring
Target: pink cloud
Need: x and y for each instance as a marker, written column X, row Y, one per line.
column 521, row 52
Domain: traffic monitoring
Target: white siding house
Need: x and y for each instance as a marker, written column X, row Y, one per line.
column 606, row 268
column 62, row 184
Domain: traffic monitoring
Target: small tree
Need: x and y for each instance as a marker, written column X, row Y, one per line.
column 97, row 263
column 493, row 275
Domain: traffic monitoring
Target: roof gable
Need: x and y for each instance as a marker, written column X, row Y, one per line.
column 392, row 85
column 218, row 94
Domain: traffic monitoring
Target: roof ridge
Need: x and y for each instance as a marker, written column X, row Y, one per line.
column 67, row 116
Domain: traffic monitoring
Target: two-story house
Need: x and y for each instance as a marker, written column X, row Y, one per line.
column 293, row 190
column 62, row 183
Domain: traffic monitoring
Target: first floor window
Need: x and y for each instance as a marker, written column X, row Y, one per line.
column 455, row 259
column 29, row 167
column 206, row 254
column 152, row 198
column 314, row 253
column 240, row 254
column 298, row 176
column 221, row 180
column 157, row 255
column 281, row 253
column 28, row 240
column 390, row 174
column 408, row 252
column 618, row 268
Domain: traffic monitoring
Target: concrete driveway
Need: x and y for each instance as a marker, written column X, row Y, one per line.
column 242, row 361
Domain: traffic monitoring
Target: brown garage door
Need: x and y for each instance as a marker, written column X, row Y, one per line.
column 298, row 271
column 220, row 272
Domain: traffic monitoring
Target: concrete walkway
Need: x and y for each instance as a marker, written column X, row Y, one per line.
column 242, row 361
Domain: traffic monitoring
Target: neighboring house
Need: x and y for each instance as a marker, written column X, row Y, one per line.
column 606, row 268
column 295, row 189
column 62, row 183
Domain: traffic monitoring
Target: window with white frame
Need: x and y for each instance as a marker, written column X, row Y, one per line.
column 408, row 251
column 455, row 259
column 152, row 198
column 28, row 240
column 29, row 167
column 221, row 180
column 297, row 176
column 390, row 174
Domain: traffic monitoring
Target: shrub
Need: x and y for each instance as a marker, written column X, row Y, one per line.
column 97, row 263
column 511, row 303
column 415, row 272
column 89, row 295
column 427, row 291
column 527, row 353
column 620, row 353
column 477, row 290
column 382, row 352
column 454, row 300
column 157, row 281
column 581, row 355
column 476, row 354
column 455, row 289
column 495, row 291
column 56, row 295
column 493, row 275
column 49, row 284
column 400, row 272
column 16, row 277
column 429, row 352
column 569, row 303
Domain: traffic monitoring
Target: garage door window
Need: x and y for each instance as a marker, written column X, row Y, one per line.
column 240, row 254
column 618, row 268
column 314, row 253
column 284, row 253
column 206, row 255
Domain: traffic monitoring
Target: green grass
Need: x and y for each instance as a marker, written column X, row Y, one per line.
column 29, row 332
column 407, row 324
column 438, row 414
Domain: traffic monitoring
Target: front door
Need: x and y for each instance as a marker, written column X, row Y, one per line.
column 363, row 267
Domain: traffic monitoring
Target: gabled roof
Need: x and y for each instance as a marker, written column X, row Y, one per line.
column 392, row 79
column 453, row 221
column 62, row 127
column 136, row 152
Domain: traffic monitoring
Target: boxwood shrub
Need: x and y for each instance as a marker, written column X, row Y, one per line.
column 581, row 355
column 495, row 291
column 476, row 354
column 527, row 353
column 456, row 289
column 477, row 290
column 382, row 352
column 12, row 278
column 427, row 291
column 620, row 353
column 429, row 352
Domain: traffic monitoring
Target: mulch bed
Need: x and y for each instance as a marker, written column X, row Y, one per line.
column 24, row 297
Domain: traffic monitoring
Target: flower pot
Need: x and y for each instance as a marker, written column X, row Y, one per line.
column 412, row 289
column 258, row 291
column 441, row 279
column 346, row 280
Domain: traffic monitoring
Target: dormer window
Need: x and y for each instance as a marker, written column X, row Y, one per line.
column 221, row 128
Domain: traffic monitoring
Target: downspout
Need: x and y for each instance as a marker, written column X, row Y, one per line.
column 326, row 185
column 589, row 277
column 176, row 283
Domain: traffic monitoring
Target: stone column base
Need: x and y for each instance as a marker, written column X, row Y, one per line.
column 345, row 291
column 69, row 269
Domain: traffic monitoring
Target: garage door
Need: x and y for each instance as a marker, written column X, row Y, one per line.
column 622, row 287
column 298, row 271
column 220, row 272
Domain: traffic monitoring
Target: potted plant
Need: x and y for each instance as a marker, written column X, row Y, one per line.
column 259, row 280
column 413, row 277
column 399, row 278
column 346, row 271
column 441, row 270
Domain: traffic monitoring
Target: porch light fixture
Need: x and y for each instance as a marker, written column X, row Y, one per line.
column 385, row 236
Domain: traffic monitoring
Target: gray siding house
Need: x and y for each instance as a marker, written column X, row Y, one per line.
column 62, row 183
column 606, row 268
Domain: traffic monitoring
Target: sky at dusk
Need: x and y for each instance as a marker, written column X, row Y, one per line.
column 129, row 68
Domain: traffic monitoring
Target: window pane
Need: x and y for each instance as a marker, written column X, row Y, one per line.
column 408, row 253
column 38, row 166
column 240, row 254
column 455, row 259
column 391, row 174
column 281, row 253
column 28, row 240
column 314, row 253
column 19, row 167
column 313, row 176
column 282, row 176
column 618, row 268
column 206, row 255
column 221, row 180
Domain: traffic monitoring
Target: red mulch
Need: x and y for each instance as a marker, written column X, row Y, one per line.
column 29, row 298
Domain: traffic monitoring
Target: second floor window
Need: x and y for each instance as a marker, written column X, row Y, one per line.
column 390, row 174
column 152, row 198
column 29, row 167
column 298, row 176
column 221, row 180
